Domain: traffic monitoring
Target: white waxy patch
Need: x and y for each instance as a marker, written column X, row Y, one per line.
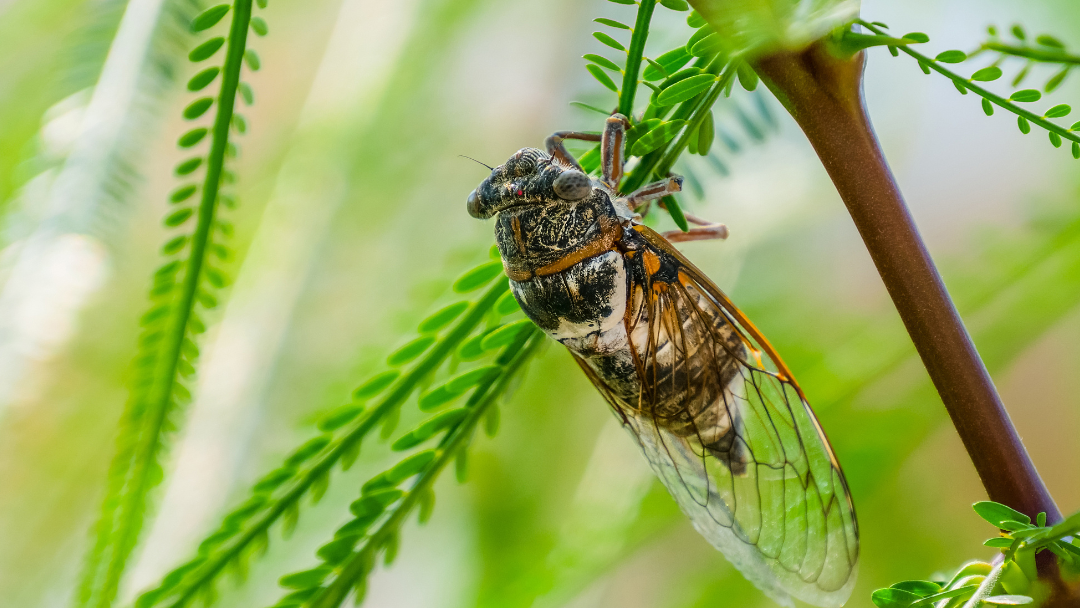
column 602, row 335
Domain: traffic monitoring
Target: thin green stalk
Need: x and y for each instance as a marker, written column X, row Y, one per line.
column 966, row 83
column 633, row 57
column 401, row 391
column 1033, row 54
column 119, row 536
column 357, row 566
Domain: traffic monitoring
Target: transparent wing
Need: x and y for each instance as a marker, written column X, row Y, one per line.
column 727, row 430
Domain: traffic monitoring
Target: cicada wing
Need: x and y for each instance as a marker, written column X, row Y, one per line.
column 742, row 452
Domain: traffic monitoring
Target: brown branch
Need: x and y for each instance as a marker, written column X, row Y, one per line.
column 823, row 92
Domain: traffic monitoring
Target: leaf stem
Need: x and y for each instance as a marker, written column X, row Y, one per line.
column 357, row 566
column 398, row 394
column 981, row 92
column 633, row 57
column 143, row 460
column 1033, row 54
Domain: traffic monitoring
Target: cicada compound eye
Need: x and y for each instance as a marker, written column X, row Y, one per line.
column 572, row 185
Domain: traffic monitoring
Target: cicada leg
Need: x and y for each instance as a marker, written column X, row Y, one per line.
column 653, row 191
column 705, row 230
column 556, row 148
column 612, row 154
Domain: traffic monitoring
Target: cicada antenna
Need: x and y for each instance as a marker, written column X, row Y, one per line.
column 477, row 162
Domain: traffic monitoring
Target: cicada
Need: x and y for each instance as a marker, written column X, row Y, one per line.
column 714, row 409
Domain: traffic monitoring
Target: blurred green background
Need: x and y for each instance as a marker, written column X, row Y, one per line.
column 352, row 224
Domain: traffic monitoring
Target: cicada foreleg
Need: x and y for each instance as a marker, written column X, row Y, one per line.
column 558, row 151
column 638, row 200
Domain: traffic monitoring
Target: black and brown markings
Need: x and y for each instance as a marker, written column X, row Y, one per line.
column 716, row 412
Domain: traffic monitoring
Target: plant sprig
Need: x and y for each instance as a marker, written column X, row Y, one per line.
column 687, row 94
column 1008, row 581
column 1025, row 118
column 168, row 348
column 350, row 557
column 277, row 497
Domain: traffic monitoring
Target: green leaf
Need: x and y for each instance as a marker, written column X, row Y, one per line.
column 174, row 245
column 339, row 417
column 199, row 81
column 507, row 304
column 429, row 429
column 436, row 397
column 601, row 76
column 442, row 317
column 1076, row 150
column 999, row 542
column 1022, row 122
column 964, row 591
column 306, row 451
column 376, row 384
column 609, row 41
column 189, row 166
column 657, row 137
column 373, row 503
column 410, row 351
column 1048, row 40
column 337, row 550
column 670, row 62
column 675, row 5
column 758, row 27
column 919, row 588
column 427, row 506
column 209, row 18
column 602, row 62
column 206, row 50
column 1008, row 600
column 706, row 135
column 987, row 107
column 178, row 217
column 246, row 93
column 951, row 57
column 505, row 334
column 1018, row 32
column 683, row 90
column 251, row 58
column 707, row 46
column 198, row 107
column 695, row 20
column 1055, row 139
column 1026, row 96
column 1055, row 80
column 1057, row 112
column 917, row 37
column 623, row 1
column 272, row 480
column 997, row 513
column 478, row 277
column 612, row 23
column 491, row 420
column 258, row 25
column 465, row 381
column 748, row 78
column 410, row 466
column 893, row 598
column 182, row 193
column 306, row 578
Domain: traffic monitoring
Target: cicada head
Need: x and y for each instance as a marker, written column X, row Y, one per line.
column 529, row 178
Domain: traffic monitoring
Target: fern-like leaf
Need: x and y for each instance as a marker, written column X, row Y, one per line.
column 168, row 350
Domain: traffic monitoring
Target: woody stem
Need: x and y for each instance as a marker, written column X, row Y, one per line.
column 823, row 92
